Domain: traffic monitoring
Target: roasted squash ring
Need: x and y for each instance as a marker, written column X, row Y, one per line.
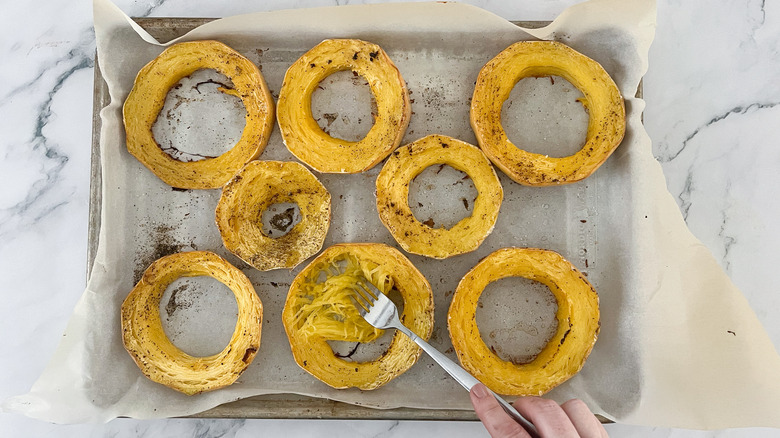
column 392, row 197
column 314, row 354
column 300, row 131
column 256, row 187
column 157, row 357
column 562, row 357
column 601, row 98
column 147, row 98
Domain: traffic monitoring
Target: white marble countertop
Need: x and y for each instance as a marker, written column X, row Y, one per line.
column 712, row 111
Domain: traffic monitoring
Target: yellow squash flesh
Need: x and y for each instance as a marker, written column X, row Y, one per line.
column 147, row 99
column 392, row 197
column 259, row 185
column 300, row 131
column 161, row 361
column 601, row 98
column 317, row 311
column 565, row 353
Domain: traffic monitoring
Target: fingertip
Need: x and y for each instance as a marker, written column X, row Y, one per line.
column 481, row 399
column 497, row 422
column 583, row 419
column 474, row 399
column 547, row 415
column 479, row 390
column 535, row 403
column 575, row 404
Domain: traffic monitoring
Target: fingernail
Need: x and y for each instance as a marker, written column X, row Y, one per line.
column 480, row 390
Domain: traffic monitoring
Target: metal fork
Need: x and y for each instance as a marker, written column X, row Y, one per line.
column 380, row 312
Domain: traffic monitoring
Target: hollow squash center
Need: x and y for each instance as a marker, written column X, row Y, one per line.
column 344, row 106
column 279, row 218
column 516, row 318
column 440, row 196
column 543, row 115
column 199, row 121
column 199, row 315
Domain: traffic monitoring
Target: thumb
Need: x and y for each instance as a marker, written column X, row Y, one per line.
column 497, row 422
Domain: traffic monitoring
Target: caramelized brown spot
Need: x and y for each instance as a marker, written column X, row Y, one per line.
column 248, row 354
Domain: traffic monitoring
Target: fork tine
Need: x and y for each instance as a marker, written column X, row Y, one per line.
column 370, row 290
column 365, row 294
column 365, row 300
column 360, row 305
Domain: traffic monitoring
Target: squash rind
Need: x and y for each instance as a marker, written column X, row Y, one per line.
column 300, row 132
column 601, row 98
column 392, row 197
column 156, row 356
column 562, row 357
column 259, row 185
column 147, row 99
column 314, row 355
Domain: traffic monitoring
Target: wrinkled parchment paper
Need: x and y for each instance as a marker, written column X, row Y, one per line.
column 678, row 344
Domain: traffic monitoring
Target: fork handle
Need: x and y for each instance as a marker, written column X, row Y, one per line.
column 467, row 380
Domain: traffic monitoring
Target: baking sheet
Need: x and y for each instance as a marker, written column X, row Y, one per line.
column 620, row 226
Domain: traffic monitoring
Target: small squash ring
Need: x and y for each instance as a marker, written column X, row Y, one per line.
column 161, row 361
column 601, row 98
column 256, row 187
column 565, row 353
column 147, row 99
column 300, row 132
column 314, row 354
column 392, row 197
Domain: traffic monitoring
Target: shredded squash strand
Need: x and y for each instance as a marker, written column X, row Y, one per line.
column 325, row 308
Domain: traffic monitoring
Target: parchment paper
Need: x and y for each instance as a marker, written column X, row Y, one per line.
column 678, row 344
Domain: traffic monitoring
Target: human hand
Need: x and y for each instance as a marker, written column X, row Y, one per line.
column 572, row 419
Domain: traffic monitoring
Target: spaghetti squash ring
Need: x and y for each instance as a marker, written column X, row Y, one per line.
column 318, row 310
column 147, row 99
column 161, row 361
column 601, row 98
column 392, row 197
column 300, row 131
column 256, row 187
column 562, row 357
